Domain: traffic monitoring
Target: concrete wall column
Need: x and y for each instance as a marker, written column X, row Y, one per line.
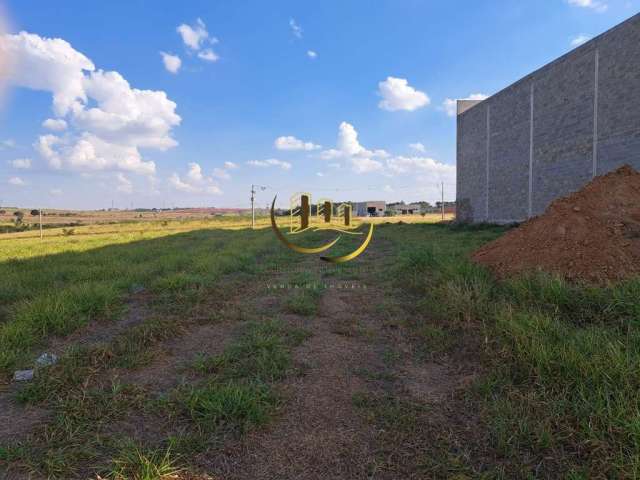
column 488, row 156
column 531, row 103
column 595, row 114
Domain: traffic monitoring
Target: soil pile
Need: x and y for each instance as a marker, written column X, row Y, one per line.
column 592, row 235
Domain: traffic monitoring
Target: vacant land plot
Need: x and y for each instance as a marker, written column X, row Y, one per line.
column 52, row 217
column 202, row 350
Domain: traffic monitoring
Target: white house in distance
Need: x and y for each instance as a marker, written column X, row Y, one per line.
column 405, row 208
column 374, row 208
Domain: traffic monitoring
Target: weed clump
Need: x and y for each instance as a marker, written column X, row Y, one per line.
column 562, row 389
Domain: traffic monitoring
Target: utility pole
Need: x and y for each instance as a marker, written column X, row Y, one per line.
column 253, row 211
column 40, row 212
column 253, row 198
column 442, row 201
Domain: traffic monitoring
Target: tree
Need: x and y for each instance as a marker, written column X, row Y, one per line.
column 19, row 216
column 35, row 213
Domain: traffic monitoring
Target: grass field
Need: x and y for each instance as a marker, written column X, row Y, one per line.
column 53, row 217
column 201, row 347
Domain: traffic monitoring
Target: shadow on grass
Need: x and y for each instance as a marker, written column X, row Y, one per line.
column 56, row 294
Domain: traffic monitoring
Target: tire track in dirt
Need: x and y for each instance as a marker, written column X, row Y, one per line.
column 171, row 357
column 320, row 434
column 317, row 434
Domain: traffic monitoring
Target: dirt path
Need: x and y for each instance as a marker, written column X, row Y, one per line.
column 354, row 352
column 317, row 434
column 359, row 352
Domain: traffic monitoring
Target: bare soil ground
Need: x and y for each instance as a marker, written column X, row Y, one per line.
column 592, row 235
column 362, row 403
column 353, row 353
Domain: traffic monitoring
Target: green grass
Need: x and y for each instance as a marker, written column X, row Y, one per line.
column 389, row 412
column 305, row 291
column 176, row 274
column 130, row 349
column 564, row 383
column 262, row 353
column 238, row 393
column 135, row 463
column 47, row 291
column 409, row 445
column 559, row 397
column 61, row 447
column 52, row 313
column 231, row 405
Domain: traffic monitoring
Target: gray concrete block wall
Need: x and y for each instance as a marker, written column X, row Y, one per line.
column 509, row 154
column 472, row 165
column 562, row 129
column 548, row 134
column 619, row 98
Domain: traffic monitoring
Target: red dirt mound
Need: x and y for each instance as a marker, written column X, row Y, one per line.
column 592, row 235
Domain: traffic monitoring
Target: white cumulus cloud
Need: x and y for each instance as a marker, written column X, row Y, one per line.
column 221, row 173
column 49, row 64
column 195, row 35
column 112, row 121
column 348, row 148
column 124, row 184
column 21, row 163
column 397, row 94
column 449, row 106
column 271, row 162
column 596, row 5
column 408, row 165
column 312, row 54
column 365, row 165
column 195, row 172
column 17, row 182
column 292, row 143
column 429, row 175
column 580, row 39
column 194, row 182
column 172, row 63
column 418, row 147
column 208, row 55
column 55, row 124
column 176, row 182
column 295, row 28
column 363, row 160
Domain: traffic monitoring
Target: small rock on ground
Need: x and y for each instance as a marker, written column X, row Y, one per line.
column 23, row 375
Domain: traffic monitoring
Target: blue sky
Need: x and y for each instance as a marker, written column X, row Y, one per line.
column 356, row 89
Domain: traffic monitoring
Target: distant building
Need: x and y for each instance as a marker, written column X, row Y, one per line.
column 402, row 208
column 369, row 209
